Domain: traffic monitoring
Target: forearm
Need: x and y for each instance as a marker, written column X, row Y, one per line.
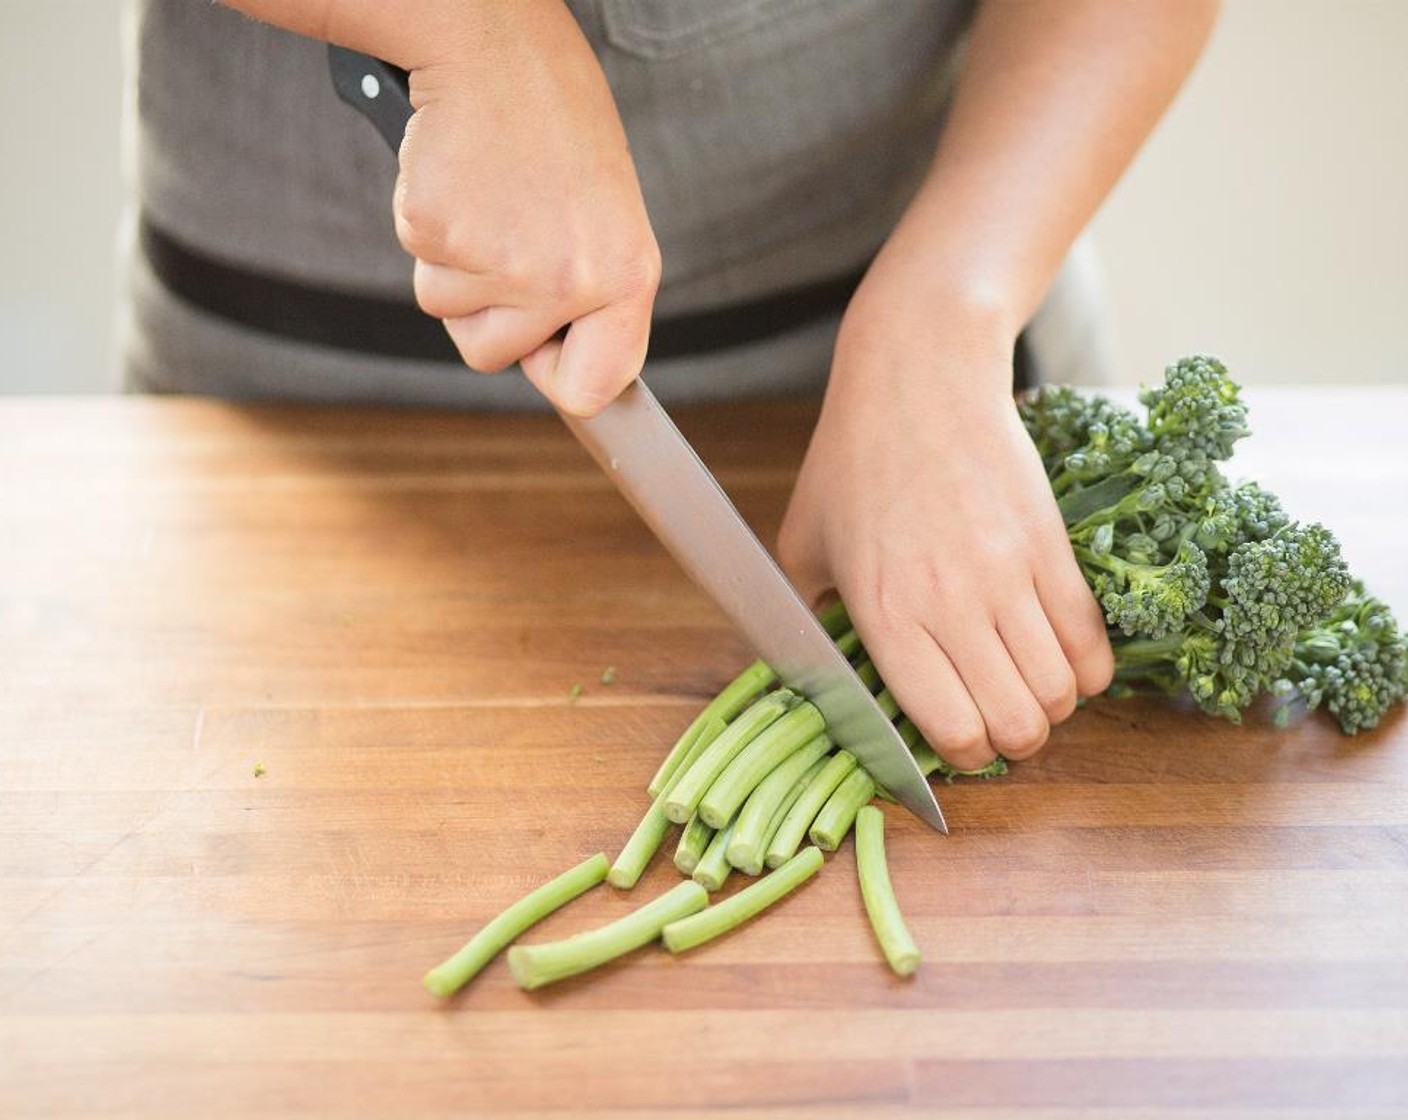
column 1055, row 99
column 412, row 34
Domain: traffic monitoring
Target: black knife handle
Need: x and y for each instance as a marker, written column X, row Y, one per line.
column 376, row 89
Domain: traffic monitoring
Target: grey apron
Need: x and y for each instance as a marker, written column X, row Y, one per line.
column 777, row 142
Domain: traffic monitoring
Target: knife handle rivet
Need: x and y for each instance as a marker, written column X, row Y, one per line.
column 371, row 88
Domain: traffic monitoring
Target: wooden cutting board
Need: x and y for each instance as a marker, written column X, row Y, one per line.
column 1160, row 916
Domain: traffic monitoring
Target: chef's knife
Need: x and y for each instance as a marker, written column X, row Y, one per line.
column 652, row 464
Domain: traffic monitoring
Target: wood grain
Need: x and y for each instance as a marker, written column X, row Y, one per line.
column 1160, row 917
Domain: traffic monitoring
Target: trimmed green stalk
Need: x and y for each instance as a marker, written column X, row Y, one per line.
column 533, row 966
column 709, row 923
column 780, row 814
column 713, row 868
column 727, row 704
column 834, row 619
column 693, row 840
column 751, row 833
column 689, row 788
column 645, row 841
column 870, row 677
column 643, row 844
column 839, row 813
column 793, row 829
column 449, row 976
column 728, row 791
column 849, row 644
column 879, row 894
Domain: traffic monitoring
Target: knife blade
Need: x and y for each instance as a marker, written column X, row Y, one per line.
column 642, row 451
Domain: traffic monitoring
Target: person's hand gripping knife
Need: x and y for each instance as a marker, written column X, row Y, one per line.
column 921, row 499
column 517, row 195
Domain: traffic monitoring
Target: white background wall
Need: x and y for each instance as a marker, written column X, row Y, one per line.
column 1266, row 221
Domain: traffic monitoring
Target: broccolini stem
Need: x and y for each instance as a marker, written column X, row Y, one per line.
column 750, row 833
column 713, row 868
column 789, row 834
column 448, row 977
column 727, row 704
column 834, row 619
column 879, row 895
column 839, row 813
column 870, row 677
column 536, row 965
column 780, row 814
column 757, row 760
column 683, row 797
column 643, row 844
column 849, row 643
column 693, row 840
column 707, row 924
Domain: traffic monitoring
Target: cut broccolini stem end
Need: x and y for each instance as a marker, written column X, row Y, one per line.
column 839, row 813
column 639, row 849
column 713, row 868
column 879, row 895
column 682, row 798
column 448, row 977
column 693, row 841
column 686, row 933
column 755, row 825
column 793, row 829
column 535, row 966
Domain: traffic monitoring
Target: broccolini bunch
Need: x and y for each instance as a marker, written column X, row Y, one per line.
column 1210, row 588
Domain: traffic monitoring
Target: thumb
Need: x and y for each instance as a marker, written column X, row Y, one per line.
column 602, row 353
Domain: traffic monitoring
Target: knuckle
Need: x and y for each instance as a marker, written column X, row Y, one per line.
column 639, row 276
column 961, row 742
column 566, row 280
column 419, row 225
column 1019, row 734
column 480, row 350
column 1057, row 696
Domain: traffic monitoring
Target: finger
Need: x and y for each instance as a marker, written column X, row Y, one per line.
column 1015, row 724
column 1032, row 645
column 928, row 689
column 603, row 352
column 450, row 293
column 494, row 338
column 1079, row 625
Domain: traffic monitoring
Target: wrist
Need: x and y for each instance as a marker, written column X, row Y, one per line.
column 919, row 326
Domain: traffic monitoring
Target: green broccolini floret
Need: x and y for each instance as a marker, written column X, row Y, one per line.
column 1208, row 588
column 1354, row 663
column 1198, row 407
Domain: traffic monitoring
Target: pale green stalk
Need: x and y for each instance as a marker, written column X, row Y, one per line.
column 643, row 844
column 728, row 791
column 536, row 965
column 709, row 923
column 793, row 829
column 849, row 643
column 879, row 895
column 693, row 840
column 750, row 833
column 689, row 787
column 870, row 677
column 727, row 704
column 713, row 868
column 780, row 814
column 448, row 977
column 650, row 832
column 839, row 813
